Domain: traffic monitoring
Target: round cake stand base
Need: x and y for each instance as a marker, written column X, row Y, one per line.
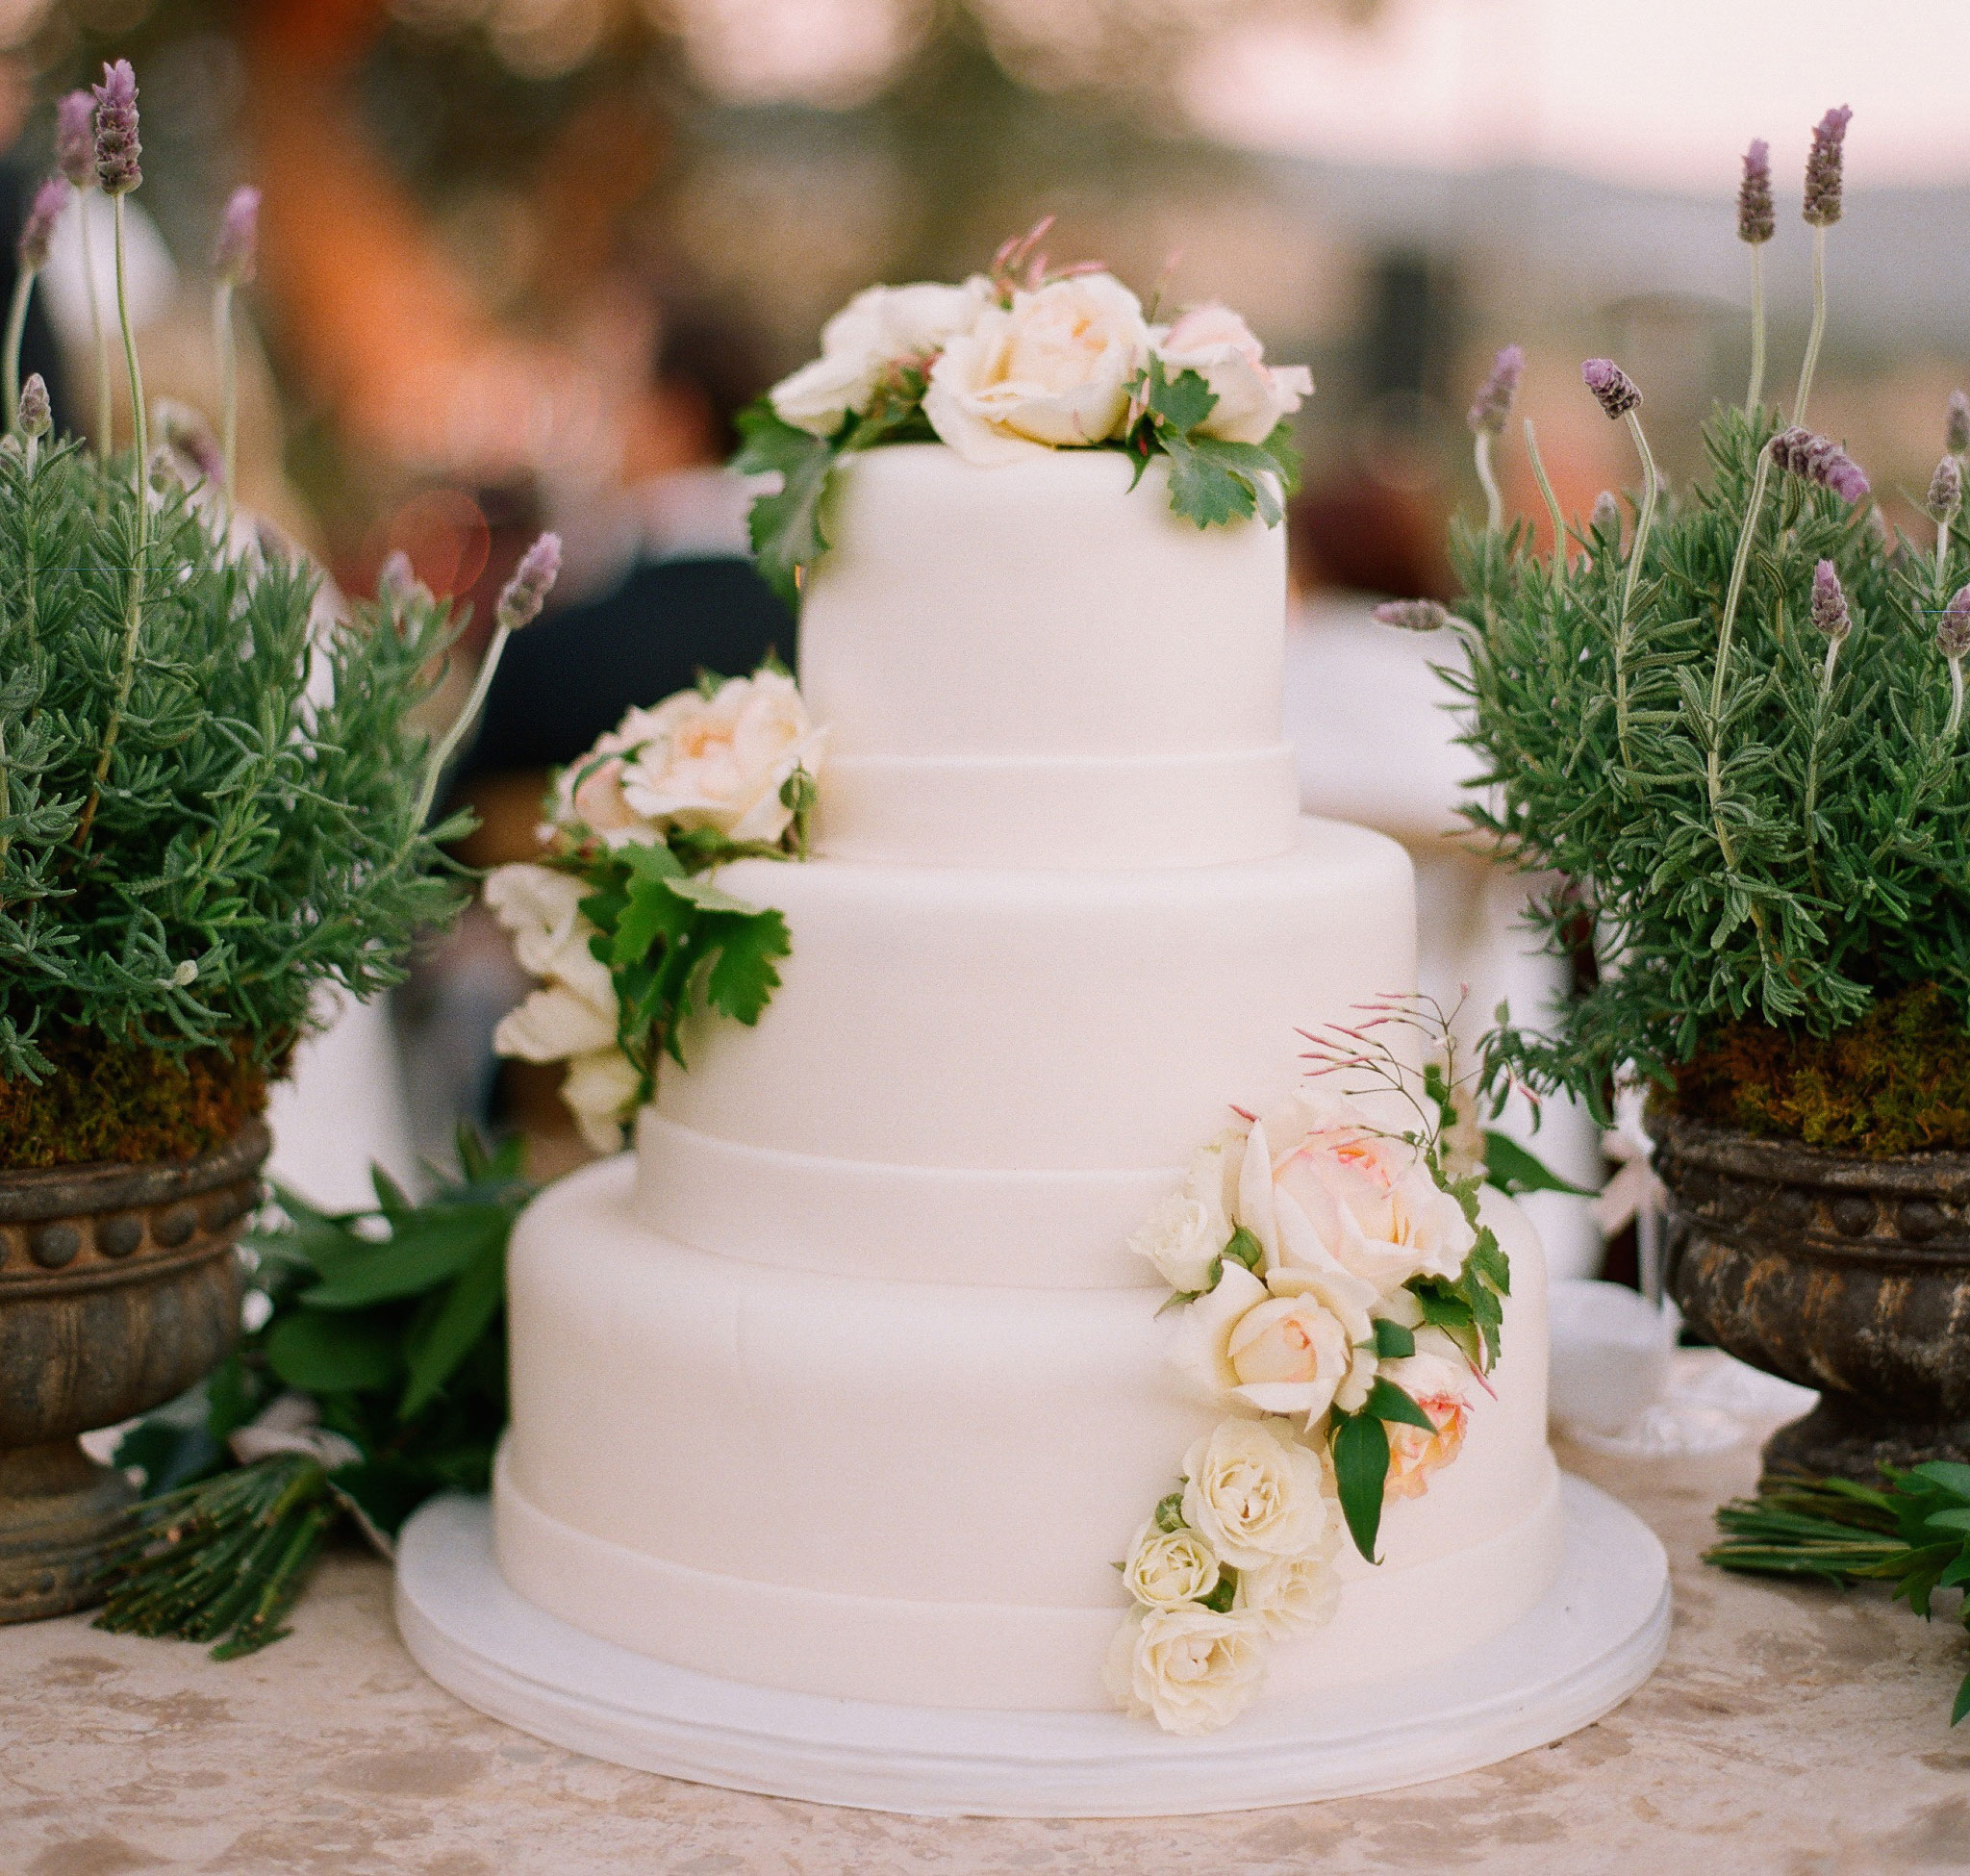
column 1595, row 1638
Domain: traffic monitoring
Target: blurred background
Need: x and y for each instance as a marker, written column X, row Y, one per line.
column 522, row 259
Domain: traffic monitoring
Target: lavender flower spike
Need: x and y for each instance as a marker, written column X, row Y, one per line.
column 35, row 415
column 237, row 252
column 1953, row 628
column 1956, row 425
column 1612, row 387
column 38, row 231
column 1823, row 168
column 1493, row 403
column 1945, row 491
column 75, row 138
column 526, row 593
column 1821, row 460
column 1605, row 516
column 1830, row 602
column 1756, row 219
column 118, row 148
column 1412, row 614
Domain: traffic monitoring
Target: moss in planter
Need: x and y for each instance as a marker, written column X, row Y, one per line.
column 1896, row 1081
column 126, row 1102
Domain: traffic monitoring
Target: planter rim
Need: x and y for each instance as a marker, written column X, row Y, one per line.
column 1733, row 1149
column 112, row 1185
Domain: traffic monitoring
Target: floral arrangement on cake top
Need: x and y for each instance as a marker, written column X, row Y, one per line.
column 1730, row 718
column 213, row 789
column 620, row 917
column 1342, row 1303
column 1014, row 363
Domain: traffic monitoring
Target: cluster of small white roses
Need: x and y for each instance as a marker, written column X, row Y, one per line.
column 719, row 762
column 1045, row 368
column 1291, row 1238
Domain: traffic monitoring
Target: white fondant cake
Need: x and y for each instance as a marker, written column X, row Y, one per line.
column 848, row 1382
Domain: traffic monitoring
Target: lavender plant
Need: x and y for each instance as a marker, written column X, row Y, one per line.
column 1738, row 745
column 212, row 791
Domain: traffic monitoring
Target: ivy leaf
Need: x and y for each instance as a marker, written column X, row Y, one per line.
column 708, row 898
column 1179, row 403
column 1388, row 1402
column 1361, row 1470
column 784, row 526
column 1285, row 455
column 743, row 979
column 1201, row 488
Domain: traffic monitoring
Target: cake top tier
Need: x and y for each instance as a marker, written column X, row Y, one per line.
column 1037, row 537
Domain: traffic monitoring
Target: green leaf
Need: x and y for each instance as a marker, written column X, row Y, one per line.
column 428, row 1248
column 390, row 1197
column 1222, row 1593
column 785, row 527
column 1514, row 1170
column 709, row 898
column 1169, row 1512
column 1950, row 1475
column 1392, row 1340
column 1388, row 1402
column 1361, row 1470
column 656, row 914
column 1201, row 488
column 1244, row 1249
column 332, row 1354
column 1285, row 453
column 470, row 1305
column 1952, row 1520
column 743, row 979
column 1181, row 404
column 1962, row 1706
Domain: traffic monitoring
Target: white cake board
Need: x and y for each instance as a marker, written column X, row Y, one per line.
column 1595, row 1638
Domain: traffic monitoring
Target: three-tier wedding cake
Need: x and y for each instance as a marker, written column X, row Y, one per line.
column 854, row 1380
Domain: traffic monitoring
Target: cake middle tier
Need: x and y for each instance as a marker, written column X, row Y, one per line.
column 988, row 1077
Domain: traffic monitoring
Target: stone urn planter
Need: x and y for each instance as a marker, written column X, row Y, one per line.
column 119, row 1287
column 1847, row 1275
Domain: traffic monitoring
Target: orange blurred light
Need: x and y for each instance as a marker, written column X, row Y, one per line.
column 445, row 535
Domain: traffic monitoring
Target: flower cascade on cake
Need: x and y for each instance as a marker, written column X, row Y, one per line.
column 1338, row 1297
column 1010, row 365
column 621, row 918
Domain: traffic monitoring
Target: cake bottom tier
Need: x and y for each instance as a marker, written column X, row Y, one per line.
column 914, row 1493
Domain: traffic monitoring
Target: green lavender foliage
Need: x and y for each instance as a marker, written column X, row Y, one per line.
column 258, row 816
column 1832, row 864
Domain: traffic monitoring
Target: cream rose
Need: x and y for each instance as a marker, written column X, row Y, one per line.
column 1168, row 1567
column 588, row 795
column 1438, row 1380
column 598, row 1090
column 1221, row 349
column 1340, row 1193
column 721, row 761
column 1292, row 1342
column 1051, row 370
column 1252, row 1495
column 1295, row 1593
column 1185, row 1233
column 879, row 329
column 1189, row 1669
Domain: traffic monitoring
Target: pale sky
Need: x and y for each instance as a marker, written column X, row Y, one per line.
column 1658, row 92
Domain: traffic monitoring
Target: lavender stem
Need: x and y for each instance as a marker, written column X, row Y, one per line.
column 1819, row 324
column 104, row 418
column 1493, row 499
column 16, row 326
column 1628, row 591
column 1755, row 389
column 1552, row 505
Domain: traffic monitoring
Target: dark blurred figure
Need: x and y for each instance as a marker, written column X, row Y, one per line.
column 38, row 351
column 671, row 592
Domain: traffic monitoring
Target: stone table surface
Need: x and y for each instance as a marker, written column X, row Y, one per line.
column 1791, row 1729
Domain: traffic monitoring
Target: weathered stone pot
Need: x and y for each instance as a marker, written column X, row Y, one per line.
column 119, row 1287
column 1848, row 1275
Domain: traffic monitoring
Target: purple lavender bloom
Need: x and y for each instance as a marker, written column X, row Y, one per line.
column 75, row 138
column 533, row 579
column 1605, row 516
column 1757, row 222
column 190, row 449
column 1493, row 403
column 35, row 415
column 38, row 231
column 1823, row 166
column 1412, row 614
column 1830, row 602
column 1612, row 387
column 1819, row 459
column 1953, row 628
column 237, row 252
column 118, row 148
column 1956, row 425
column 1945, row 490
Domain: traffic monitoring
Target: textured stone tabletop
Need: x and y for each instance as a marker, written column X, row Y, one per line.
column 1791, row 1730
